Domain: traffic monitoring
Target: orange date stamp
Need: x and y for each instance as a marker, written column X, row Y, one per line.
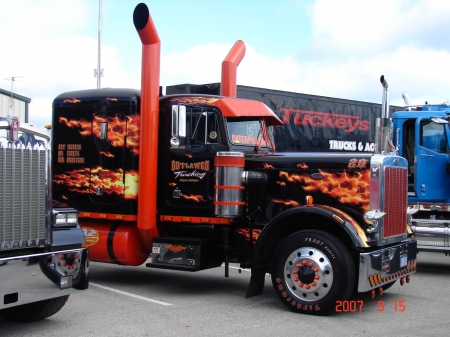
column 357, row 306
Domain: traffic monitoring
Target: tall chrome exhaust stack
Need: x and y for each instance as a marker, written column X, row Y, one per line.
column 383, row 131
column 385, row 101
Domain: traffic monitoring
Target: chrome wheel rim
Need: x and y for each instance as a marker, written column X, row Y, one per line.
column 308, row 274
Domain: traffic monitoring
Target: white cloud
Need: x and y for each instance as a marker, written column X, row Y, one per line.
column 353, row 44
column 354, row 27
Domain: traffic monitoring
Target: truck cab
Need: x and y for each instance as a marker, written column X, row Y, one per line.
column 422, row 137
column 191, row 135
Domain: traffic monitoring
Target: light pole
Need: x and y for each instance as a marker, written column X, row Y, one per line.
column 99, row 71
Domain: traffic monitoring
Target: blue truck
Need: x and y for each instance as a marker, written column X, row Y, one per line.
column 421, row 134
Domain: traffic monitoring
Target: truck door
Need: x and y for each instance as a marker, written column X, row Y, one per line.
column 192, row 163
column 431, row 180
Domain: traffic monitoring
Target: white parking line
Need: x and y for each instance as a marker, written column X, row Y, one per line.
column 128, row 294
column 247, row 270
column 242, row 269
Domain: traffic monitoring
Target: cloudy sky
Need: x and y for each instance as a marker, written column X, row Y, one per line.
column 322, row 47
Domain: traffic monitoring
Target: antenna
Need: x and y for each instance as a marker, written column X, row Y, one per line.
column 99, row 71
column 12, row 79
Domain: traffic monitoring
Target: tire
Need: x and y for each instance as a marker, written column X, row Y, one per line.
column 34, row 311
column 311, row 271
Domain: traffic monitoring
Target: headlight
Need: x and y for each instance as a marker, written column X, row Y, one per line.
column 65, row 217
column 371, row 219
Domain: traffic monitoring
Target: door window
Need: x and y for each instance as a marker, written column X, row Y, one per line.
column 433, row 137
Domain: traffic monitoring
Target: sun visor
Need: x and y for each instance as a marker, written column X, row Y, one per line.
column 234, row 107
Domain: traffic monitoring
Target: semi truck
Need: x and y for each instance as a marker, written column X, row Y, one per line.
column 190, row 182
column 421, row 134
column 42, row 260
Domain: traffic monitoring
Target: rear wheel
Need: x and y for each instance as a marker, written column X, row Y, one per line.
column 311, row 271
column 34, row 311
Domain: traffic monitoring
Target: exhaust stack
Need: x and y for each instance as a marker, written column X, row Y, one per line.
column 228, row 85
column 383, row 131
column 385, row 99
column 151, row 50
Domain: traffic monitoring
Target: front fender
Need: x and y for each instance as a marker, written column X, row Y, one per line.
column 319, row 217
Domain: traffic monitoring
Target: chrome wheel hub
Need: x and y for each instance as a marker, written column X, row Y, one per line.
column 308, row 273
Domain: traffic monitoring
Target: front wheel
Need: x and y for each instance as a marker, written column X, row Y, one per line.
column 34, row 311
column 311, row 271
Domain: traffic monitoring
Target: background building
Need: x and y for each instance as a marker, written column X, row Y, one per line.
column 13, row 104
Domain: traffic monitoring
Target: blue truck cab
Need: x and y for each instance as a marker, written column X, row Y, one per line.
column 421, row 134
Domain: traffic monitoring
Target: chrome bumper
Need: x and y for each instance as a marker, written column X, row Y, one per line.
column 31, row 278
column 386, row 265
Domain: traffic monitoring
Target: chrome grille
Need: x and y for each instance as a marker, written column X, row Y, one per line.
column 22, row 197
column 395, row 201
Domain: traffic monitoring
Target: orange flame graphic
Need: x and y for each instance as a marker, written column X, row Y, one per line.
column 292, row 203
column 195, row 100
column 246, row 233
column 118, row 128
column 73, row 100
column 281, row 183
column 188, row 155
column 107, row 154
column 172, row 184
column 302, row 166
column 268, row 166
column 176, row 249
column 84, row 127
column 347, row 187
column 196, row 198
column 110, row 181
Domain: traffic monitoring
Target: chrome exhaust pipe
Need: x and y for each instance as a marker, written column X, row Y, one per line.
column 384, row 128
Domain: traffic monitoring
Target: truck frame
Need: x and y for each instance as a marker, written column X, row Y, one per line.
column 190, row 182
column 42, row 260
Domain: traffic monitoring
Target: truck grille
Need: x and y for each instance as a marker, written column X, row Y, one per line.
column 22, row 197
column 395, row 201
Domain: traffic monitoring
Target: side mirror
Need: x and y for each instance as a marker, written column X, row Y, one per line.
column 178, row 124
column 439, row 120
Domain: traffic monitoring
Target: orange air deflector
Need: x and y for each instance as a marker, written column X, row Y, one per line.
column 228, row 85
column 148, row 158
column 234, row 107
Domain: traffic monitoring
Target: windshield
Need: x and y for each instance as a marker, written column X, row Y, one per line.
column 249, row 132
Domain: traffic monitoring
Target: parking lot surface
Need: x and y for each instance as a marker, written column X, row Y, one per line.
column 138, row 301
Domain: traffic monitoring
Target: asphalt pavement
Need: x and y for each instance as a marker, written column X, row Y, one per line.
column 138, row 301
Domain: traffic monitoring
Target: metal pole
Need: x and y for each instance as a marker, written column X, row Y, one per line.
column 99, row 68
